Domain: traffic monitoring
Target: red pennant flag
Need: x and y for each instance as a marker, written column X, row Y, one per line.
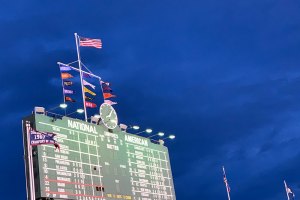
column 108, row 95
column 90, row 104
column 69, row 99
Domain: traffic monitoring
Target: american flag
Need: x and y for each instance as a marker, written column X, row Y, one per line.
column 88, row 42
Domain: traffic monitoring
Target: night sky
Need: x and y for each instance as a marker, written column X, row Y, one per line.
column 223, row 76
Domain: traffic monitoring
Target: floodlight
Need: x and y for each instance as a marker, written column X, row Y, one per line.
column 136, row 127
column 80, row 110
column 172, row 137
column 148, row 130
column 160, row 134
column 63, row 105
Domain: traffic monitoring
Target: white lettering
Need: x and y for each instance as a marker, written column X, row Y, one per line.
column 82, row 126
column 136, row 140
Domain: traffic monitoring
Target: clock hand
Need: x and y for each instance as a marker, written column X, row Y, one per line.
column 109, row 115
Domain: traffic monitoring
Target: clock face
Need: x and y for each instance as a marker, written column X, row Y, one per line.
column 108, row 116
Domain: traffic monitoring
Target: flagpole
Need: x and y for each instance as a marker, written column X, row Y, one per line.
column 287, row 194
column 226, row 184
column 30, row 162
column 80, row 71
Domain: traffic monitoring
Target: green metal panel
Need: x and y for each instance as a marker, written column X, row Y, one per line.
column 95, row 163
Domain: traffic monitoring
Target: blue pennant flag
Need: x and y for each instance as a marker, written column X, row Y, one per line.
column 86, row 75
column 68, row 91
column 64, row 67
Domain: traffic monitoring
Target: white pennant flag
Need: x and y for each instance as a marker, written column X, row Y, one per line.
column 87, row 83
column 110, row 102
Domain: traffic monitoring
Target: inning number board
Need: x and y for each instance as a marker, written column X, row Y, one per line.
column 95, row 163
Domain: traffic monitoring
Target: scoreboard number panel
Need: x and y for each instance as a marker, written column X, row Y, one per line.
column 95, row 163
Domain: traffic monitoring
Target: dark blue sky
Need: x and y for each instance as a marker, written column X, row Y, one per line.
column 223, row 76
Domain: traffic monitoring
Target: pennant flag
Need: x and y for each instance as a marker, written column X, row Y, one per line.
column 68, row 91
column 87, row 83
column 110, row 102
column 89, row 91
column 106, row 83
column 38, row 138
column 69, row 99
column 68, row 83
column 88, row 98
column 123, row 126
column 108, row 95
column 90, row 104
column 65, row 75
column 64, row 68
column 88, row 42
column 85, row 75
column 106, row 88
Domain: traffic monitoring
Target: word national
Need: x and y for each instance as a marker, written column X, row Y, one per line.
column 82, row 126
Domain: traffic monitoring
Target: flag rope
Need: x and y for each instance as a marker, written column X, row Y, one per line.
column 72, row 62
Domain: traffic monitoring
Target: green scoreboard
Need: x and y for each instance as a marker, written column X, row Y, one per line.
column 94, row 163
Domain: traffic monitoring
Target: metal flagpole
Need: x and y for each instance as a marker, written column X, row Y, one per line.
column 226, row 183
column 80, row 71
column 30, row 163
column 286, row 190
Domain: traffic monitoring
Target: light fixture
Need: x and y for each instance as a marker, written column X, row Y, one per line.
column 79, row 110
column 160, row 134
column 135, row 127
column 63, row 105
column 171, row 137
column 148, row 130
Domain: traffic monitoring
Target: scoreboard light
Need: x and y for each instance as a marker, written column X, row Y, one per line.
column 160, row 134
column 63, row 105
column 136, row 127
column 80, row 110
column 148, row 130
column 172, row 137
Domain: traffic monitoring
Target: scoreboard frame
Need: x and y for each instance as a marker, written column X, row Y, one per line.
column 118, row 165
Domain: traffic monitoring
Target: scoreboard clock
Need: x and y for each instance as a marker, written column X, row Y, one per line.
column 108, row 116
